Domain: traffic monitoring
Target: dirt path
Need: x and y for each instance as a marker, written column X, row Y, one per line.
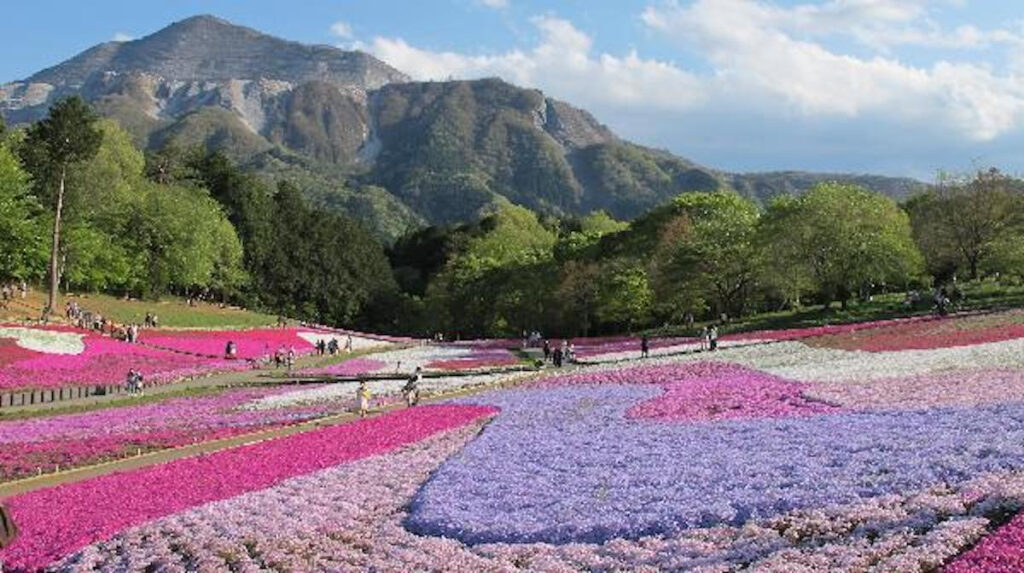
column 162, row 456
column 211, row 381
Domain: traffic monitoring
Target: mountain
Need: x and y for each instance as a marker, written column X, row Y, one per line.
column 356, row 135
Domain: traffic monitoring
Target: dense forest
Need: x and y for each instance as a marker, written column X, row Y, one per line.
column 82, row 207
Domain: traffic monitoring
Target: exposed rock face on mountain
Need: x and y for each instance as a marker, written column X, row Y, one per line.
column 358, row 136
column 196, row 62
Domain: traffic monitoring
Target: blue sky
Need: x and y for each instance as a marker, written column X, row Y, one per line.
column 887, row 86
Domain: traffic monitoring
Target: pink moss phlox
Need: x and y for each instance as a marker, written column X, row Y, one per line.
column 249, row 343
column 707, row 391
column 95, row 509
column 1002, row 551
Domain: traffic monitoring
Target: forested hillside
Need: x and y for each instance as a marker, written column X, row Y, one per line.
column 182, row 222
column 190, row 221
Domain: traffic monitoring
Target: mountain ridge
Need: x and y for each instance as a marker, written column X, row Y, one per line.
column 365, row 139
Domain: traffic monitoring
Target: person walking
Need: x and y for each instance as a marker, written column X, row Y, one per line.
column 705, row 337
column 140, row 383
column 412, row 388
column 645, row 347
column 713, row 338
column 547, row 350
column 363, row 397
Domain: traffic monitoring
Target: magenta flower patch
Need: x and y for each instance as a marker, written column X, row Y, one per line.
column 96, row 509
column 707, row 391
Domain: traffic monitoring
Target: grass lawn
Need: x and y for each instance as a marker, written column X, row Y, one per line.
column 172, row 311
column 982, row 295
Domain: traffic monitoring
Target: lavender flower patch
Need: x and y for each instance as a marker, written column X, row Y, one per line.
column 563, row 465
column 349, row 518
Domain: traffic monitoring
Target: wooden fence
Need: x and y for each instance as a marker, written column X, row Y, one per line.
column 45, row 396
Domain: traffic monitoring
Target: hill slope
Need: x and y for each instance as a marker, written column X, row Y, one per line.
column 356, row 135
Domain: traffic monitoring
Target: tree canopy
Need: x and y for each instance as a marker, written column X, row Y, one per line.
column 187, row 220
column 839, row 239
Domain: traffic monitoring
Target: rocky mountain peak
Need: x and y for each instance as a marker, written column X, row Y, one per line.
column 207, row 48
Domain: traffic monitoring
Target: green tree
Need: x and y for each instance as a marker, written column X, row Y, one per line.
column 673, row 299
column 22, row 248
column 95, row 260
column 66, row 136
column 247, row 202
column 717, row 258
column 843, row 237
column 577, row 296
column 103, row 209
column 321, row 266
column 188, row 241
column 580, row 235
column 963, row 223
column 623, row 293
column 467, row 290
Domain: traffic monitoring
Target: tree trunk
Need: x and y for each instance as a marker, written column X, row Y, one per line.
column 51, row 304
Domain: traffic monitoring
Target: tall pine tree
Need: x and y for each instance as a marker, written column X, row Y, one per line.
column 67, row 136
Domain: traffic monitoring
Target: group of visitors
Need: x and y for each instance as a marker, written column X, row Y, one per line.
column 286, row 358
column 88, row 320
column 947, row 299
column 134, row 382
column 560, row 356
column 11, row 291
column 332, row 347
column 709, row 338
column 411, row 392
column 532, row 339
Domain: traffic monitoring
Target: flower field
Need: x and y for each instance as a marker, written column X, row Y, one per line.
column 250, row 344
column 87, row 513
column 860, row 449
column 65, row 441
column 445, row 357
column 52, row 357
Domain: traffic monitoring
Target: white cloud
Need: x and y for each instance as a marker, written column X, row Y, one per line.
column 772, row 80
column 759, row 49
column 122, row 37
column 562, row 63
column 342, row 30
column 495, row 4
